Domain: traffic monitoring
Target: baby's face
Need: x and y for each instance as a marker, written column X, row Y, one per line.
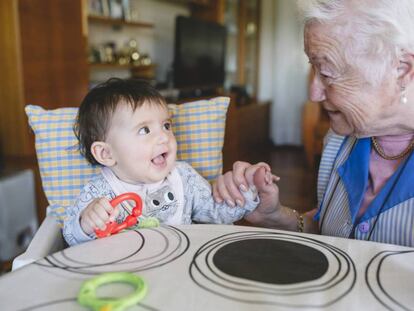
column 142, row 143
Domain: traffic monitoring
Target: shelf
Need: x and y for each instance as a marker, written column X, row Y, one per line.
column 118, row 22
column 119, row 66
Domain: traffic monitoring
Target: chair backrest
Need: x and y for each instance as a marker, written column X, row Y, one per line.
column 198, row 126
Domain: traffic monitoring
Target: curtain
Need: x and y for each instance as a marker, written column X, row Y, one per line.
column 283, row 70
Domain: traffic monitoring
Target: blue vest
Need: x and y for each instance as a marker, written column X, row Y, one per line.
column 342, row 182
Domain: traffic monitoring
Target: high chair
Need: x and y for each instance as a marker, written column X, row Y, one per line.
column 199, row 129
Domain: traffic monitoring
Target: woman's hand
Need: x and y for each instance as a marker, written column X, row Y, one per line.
column 266, row 213
column 229, row 186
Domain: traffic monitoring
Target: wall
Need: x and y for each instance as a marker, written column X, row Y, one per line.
column 158, row 42
column 283, row 70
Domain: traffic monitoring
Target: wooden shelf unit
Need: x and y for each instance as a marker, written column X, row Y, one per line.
column 117, row 21
column 117, row 66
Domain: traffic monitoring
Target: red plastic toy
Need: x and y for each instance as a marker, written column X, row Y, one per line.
column 113, row 227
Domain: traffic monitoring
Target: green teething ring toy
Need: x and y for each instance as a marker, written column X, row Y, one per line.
column 87, row 294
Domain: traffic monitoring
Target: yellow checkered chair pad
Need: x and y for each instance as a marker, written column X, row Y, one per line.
column 198, row 126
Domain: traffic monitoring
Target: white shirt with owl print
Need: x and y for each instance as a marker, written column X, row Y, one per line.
column 184, row 197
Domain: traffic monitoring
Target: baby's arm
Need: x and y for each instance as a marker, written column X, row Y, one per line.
column 198, row 198
column 75, row 233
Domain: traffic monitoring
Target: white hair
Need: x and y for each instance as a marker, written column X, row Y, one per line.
column 381, row 27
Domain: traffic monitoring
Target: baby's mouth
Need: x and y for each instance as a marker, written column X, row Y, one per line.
column 160, row 159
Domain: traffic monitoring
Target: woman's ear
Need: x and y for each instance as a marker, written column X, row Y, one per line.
column 102, row 153
column 406, row 68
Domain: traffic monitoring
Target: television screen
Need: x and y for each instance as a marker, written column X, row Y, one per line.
column 199, row 54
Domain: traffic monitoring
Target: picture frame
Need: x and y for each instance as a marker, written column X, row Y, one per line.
column 95, row 7
column 116, row 9
column 134, row 10
column 126, row 6
column 105, row 8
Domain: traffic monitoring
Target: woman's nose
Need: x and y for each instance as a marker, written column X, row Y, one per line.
column 316, row 89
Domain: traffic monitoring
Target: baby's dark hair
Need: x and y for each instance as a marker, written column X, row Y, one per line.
column 95, row 112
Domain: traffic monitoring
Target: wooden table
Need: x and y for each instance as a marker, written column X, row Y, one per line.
column 214, row 267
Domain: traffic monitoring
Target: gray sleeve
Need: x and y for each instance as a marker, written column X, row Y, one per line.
column 72, row 231
column 199, row 199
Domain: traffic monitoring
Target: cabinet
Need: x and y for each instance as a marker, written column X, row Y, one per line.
column 242, row 18
column 113, row 49
column 247, row 123
column 43, row 62
column 315, row 125
column 247, row 132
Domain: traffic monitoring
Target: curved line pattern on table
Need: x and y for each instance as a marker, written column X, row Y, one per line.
column 207, row 276
column 170, row 251
column 375, row 285
column 74, row 300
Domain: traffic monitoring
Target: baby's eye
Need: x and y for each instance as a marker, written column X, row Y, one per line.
column 167, row 126
column 144, row 130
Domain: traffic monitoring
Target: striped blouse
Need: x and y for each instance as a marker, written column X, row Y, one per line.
column 342, row 181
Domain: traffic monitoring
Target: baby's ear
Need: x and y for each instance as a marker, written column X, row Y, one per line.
column 102, row 153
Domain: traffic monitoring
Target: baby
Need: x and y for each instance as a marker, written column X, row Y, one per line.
column 124, row 126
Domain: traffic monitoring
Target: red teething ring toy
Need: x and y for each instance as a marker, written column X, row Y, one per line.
column 113, row 227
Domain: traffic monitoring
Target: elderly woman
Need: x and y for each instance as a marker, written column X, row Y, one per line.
column 362, row 55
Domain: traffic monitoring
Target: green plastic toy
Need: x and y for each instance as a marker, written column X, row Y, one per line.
column 87, row 294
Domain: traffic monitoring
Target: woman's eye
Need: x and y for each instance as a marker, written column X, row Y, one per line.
column 167, row 126
column 324, row 75
column 144, row 130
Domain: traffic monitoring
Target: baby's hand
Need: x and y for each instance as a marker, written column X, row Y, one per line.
column 97, row 214
column 250, row 171
column 228, row 187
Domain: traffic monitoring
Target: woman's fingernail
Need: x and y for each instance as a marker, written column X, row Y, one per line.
column 231, row 203
column 243, row 188
column 239, row 203
column 218, row 200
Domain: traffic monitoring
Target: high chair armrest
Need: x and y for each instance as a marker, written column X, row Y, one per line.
column 47, row 240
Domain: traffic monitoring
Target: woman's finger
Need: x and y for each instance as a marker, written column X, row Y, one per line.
column 239, row 169
column 236, row 197
column 216, row 194
column 223, row 184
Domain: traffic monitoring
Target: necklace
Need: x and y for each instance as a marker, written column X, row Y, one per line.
column 381, row 153
column 378, row 214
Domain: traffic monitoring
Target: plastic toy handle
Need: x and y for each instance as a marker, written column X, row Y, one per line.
column 113, row 227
